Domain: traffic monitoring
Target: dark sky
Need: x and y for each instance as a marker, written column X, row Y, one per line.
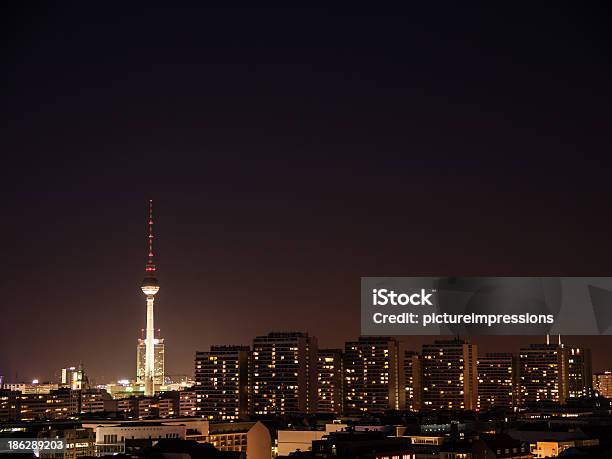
column 289, row 152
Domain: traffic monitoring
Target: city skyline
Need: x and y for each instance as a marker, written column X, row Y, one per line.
column 177, row 367
column 150, row 286
column 286, row 373
column 407, row 344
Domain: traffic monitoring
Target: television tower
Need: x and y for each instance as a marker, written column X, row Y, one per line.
column 150, row 286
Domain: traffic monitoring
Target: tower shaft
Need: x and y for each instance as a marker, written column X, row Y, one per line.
column 149, row 376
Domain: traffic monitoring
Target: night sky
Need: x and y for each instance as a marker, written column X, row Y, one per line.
column 289, row 152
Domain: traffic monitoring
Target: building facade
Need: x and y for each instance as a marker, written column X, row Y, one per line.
column 371, row 375
column 94, row 400
column 579, row 372
column 9, row 405
column 411, row 381
column 110, row 437
column 159, row 368
column 450, row 375
column 250, row 438
column 78, row 442
column 222, row 383
column 284, row 373
column 32, row 388
column 187, row 403
column 329, row 381
column 497, row 380
column 72, row 378
column 543, row 374
column 57, row 404
column 603, row 383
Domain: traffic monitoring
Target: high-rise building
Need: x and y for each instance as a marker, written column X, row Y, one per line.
column 450, row 375
column 222, row 383
column 579, row 372
column 411, row 381
column 284, row 373
column 371, row 375
column 141, row 356
column 73, row 377
column 603, row 383
column 329, row 381
column 150, row 287
column 497, row 380
column 543, row 374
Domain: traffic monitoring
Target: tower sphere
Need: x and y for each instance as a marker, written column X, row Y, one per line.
column 149, row 286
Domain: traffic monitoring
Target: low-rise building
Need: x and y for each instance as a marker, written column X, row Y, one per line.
column 187, row 403
column 146, row 406
column 553, row 448
column 9, row 405
column 375, row 445
column 167, row 407
column 78, row 442
column 32, row 388
column 111, row 436
column 94, row 400
column 127, row 405
column 291, row 441
column 491, row 446
column 251, row 438
column 57, row 404
column 544, row 441
column 434, row 440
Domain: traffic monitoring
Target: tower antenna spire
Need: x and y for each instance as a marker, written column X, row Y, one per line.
column 150, row 267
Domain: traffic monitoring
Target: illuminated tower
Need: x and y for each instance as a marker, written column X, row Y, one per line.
column 150, row 286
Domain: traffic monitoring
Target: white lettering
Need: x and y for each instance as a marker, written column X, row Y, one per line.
column 384, row 297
